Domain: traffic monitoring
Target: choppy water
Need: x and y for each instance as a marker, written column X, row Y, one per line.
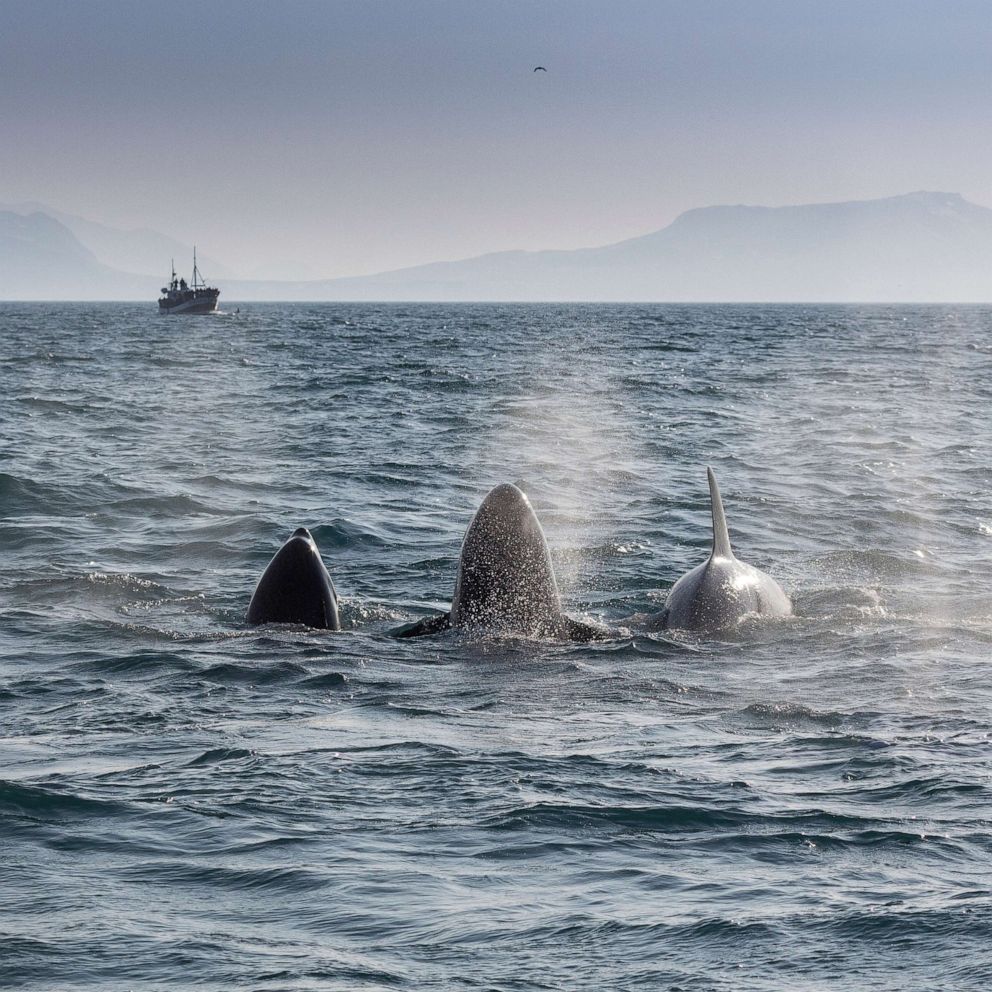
column 185, row 801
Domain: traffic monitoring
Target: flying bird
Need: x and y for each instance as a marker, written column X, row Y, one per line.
column 539, row 68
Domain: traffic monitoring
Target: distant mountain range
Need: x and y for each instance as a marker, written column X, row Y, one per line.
column 140, row 251
column 918, row 247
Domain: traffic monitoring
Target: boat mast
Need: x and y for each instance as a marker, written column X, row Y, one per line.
column 195, row 273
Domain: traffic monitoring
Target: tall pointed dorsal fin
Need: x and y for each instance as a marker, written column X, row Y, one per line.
column 721, row 539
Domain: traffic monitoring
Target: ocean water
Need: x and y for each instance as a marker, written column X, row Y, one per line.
column 186, row 802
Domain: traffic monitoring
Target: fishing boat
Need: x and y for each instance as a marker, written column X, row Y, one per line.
column 193, row 297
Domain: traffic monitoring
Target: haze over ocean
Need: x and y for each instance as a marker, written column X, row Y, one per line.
column 186, row 801
column 314, row 139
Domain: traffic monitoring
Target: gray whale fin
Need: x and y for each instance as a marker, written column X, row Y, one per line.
column 572, row 630
column 582, row 633
column 721, row 536
column 421, row 628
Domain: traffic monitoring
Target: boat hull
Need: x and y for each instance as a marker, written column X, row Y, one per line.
column 206, row 304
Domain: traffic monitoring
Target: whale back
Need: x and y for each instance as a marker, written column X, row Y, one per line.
column 296, row 587
column 723, row 590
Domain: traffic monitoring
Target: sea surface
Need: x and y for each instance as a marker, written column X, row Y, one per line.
column 187, row 802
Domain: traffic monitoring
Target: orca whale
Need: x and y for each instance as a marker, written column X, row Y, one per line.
column 506, row 583
column 723, row 590
column 296, row 587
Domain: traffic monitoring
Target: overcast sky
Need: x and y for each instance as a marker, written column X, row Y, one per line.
column 305, row 138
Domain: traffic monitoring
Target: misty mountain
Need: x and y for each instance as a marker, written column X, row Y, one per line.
column 140, row 250
column 42, row 259
column 918, row 247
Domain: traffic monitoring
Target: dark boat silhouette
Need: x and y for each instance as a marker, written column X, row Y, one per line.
column 182, row 297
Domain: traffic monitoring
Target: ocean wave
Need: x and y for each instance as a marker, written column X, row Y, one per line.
column 228, row 673
column 140, row 663
column 570, row 816
column 785, row 714
column 195, row 875
column 21, row 496
column 220, row 754
column 187, row 798
column 92, row 589
column 328, row 680
column 37, row 803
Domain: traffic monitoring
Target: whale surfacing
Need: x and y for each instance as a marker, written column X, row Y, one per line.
column 506, row 582
column 722, row 591
column 296, row 587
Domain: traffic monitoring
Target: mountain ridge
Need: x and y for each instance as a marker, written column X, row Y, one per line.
column 916, row 247
column 137, row 251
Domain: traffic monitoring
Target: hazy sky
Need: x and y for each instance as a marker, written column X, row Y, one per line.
column 334, row 138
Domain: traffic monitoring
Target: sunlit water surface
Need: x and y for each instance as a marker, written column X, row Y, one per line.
column 189, row 802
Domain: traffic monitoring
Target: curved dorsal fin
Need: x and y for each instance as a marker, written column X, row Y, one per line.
column 721, row 539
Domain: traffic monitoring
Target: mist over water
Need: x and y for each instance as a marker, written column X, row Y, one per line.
column 185, row 800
